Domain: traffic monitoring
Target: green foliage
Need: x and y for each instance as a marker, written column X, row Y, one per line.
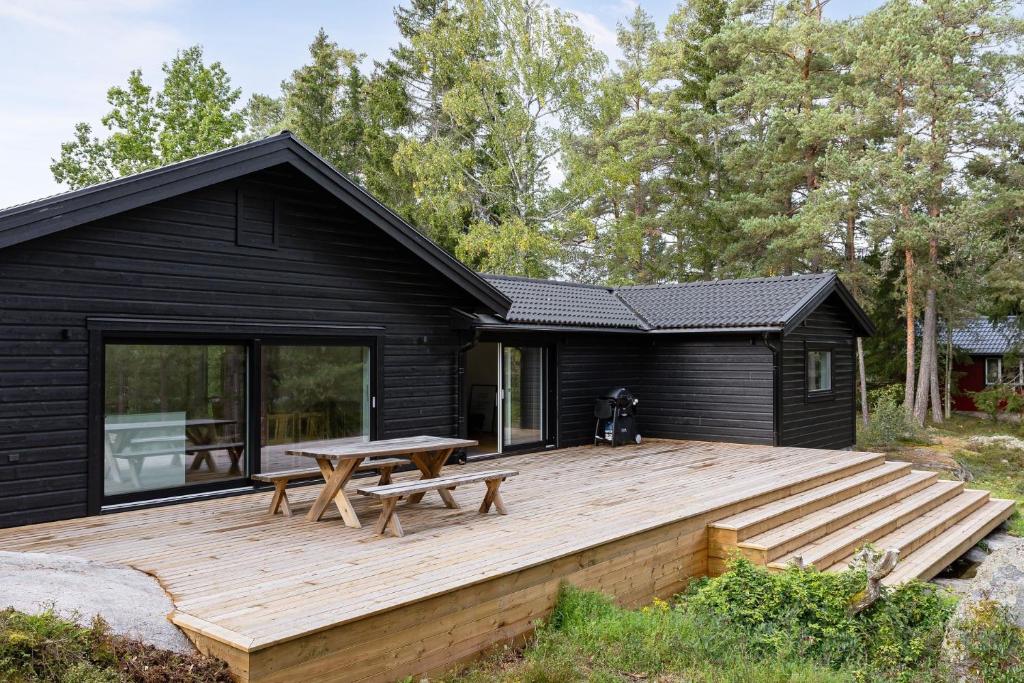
column 805, row 613
column 191, row 115
column 992, row 400
column 888, row 423
column 46, row 647
column 747, row 625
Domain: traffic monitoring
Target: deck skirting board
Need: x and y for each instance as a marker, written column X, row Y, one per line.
column 439, row 632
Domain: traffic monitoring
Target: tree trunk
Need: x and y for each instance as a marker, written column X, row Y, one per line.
column 924, row 372
column 949, row 372
column 935, row 400
column 863, row 382
column 908, row 388
column 933, row 332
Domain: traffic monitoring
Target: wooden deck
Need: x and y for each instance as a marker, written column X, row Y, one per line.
column 284, row 599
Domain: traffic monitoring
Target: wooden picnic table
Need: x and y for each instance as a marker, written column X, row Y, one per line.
column 338, row 462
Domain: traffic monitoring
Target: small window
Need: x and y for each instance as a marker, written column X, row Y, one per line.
column 993, row 371
column 819, row 371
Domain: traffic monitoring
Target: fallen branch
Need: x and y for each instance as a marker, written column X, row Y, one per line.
column 878, row 565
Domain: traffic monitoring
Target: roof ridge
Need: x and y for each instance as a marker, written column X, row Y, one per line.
column 14, row 209
column 546, row 281
column 726, row 281
column 645, row 324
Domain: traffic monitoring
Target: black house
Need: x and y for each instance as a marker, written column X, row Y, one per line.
column 170, row 333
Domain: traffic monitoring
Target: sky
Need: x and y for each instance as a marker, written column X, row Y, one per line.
column 59, row 57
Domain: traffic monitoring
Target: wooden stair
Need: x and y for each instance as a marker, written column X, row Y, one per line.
column 890, row 505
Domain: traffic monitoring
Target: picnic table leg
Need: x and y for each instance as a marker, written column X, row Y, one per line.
column 429, row 465
column 235, row 454
column 493, row 497
column 335, row 478
column 389, row 518
column 385, row 475
column 280, row 499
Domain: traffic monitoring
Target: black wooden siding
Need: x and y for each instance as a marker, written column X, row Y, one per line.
column 819, row 422
column 707, row 387
column 712, row 388
column 180, row 258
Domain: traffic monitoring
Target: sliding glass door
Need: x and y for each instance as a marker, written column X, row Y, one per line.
column 311, row 394
column 174, row 415
column 523, row 394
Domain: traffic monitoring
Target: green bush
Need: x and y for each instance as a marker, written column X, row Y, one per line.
column 46, row 647
column 888, row 423
column 1015, row 404
column 992, row 400
column 806, row 613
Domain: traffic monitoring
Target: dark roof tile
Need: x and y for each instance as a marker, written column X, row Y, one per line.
column 563, row 303
column 981, row 336
column 756, row 302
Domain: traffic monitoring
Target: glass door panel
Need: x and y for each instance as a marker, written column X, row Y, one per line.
column 522, row 394
column 311, row 394
column 174, row 415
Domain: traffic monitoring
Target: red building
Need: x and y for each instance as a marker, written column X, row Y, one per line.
column 989, row 346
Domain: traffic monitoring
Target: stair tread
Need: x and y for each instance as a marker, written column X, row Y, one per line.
column 762, row 513
column 903, row 538
column 873, row 525
column 940, row 552
column 897, row 489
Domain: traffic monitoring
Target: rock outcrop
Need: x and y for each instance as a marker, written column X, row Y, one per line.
column 999, row 582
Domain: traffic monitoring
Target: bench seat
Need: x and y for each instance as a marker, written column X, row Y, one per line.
column 281, row 478
column 389, row 494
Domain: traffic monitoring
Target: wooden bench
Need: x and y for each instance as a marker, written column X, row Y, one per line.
column 280, row 479
column 389, row 494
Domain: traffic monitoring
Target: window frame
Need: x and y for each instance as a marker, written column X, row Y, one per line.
column 819, row 394
column 251, row 335
column 999, row 370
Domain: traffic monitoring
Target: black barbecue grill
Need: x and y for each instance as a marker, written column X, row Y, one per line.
column 615, row 417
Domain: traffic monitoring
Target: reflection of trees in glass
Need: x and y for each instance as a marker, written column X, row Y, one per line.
column 200, row 380
column 332, row 381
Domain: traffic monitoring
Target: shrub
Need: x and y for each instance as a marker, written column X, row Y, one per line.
column 1015, row 404
column 888, row 424
column 806, row 613
column 45, row 647
column 992, row 400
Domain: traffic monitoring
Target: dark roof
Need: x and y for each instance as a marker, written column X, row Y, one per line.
column 773, row 303
column 563, row 303
column 982, row 336
column 67, row 210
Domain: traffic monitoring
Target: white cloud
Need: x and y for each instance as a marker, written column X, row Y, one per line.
column 604, row 37
column 57, row 59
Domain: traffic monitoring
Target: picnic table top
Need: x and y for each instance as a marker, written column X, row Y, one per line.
column 344, row 449
column 162, row 424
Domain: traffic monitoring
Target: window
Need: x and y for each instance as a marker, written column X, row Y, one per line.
column 309, row 394
column 993, row 371
column 174, row 415
column 819, row 371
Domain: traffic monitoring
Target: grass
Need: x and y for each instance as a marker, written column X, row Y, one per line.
column 754, row 626
column 46, row 647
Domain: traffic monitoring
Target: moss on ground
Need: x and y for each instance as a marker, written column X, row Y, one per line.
column 46, row 647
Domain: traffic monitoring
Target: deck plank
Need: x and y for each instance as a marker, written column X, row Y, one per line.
column 227, row 564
